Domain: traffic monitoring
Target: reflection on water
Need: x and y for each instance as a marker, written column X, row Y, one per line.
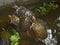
column 4, row 2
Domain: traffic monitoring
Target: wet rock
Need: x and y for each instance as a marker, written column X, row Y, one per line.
column 2, row 42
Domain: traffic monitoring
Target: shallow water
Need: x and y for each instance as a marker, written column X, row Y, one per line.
column 50, row 18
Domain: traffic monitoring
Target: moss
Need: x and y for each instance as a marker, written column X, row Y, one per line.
column 5, row 35
column 45, row 8
column 14, row 38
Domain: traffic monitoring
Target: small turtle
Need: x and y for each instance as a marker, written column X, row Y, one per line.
column 26, row 17
column 39, row 29
column 22, row 18
column 14, row 19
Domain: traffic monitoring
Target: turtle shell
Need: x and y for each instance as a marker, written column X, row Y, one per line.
column 25, row 16
column 25, row 24
column 23, row 11
column 39, row 29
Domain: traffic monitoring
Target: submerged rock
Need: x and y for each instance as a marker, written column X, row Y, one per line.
column 2, row 42
column 5, row 37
